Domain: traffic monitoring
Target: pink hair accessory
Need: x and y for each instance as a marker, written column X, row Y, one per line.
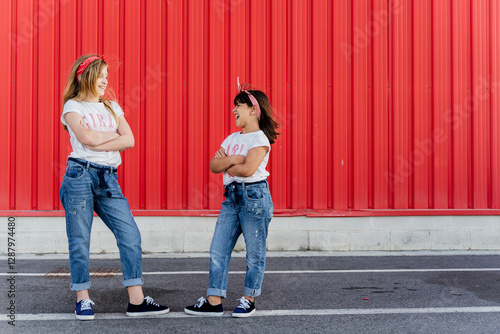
column 243, row 88
column 84, row 64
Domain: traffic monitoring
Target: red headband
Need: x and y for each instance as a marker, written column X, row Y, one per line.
column 241, row 88
column 84, row 64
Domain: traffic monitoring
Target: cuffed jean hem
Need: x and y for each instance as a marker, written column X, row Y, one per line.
column 216, row 292
column 252, row 292
column 79, row 286
column 133, row 282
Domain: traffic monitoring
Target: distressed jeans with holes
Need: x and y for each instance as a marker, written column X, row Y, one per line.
column 83, row 192
column 247, row 209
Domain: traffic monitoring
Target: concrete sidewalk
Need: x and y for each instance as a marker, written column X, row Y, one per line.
column 47, row 235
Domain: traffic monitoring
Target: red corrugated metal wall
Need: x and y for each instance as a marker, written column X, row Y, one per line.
column 383, row 104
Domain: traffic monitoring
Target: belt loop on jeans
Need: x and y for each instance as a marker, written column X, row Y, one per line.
column 88, row 165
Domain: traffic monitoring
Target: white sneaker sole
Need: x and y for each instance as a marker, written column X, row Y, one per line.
column 145, row 314
column 243, row 315
column 204, row 314
column 85, row 317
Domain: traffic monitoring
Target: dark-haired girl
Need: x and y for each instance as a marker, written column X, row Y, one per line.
column 247, row 208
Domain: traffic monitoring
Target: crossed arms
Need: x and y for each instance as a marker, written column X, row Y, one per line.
column 100, row 140
column 238, row 165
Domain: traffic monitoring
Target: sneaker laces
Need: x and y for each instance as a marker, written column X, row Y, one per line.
column 244, row 303
column 151, row 301
column 86, row 304
column 202, row 301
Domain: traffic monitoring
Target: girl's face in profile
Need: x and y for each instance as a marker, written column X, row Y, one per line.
column 102, row 81
column 242, row 112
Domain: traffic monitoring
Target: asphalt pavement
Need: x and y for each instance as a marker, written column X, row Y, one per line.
column 302, row 293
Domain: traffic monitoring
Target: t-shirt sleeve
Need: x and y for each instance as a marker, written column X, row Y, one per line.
column 70, row 106
column 260, row 140
column 226, row 141
column 117, row 109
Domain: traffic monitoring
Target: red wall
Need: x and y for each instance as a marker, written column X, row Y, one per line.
column 383, row 104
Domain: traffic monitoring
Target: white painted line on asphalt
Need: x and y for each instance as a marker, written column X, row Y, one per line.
column 274, row 313
column 423, row 310
column 348, row 271
column 332, row 271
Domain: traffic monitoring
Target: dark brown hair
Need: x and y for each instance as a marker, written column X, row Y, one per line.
column 266, row 122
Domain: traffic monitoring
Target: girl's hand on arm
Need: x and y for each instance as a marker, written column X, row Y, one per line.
column 220, row 162
column 125, row 139
column 87, row 137
column 82, row 123
column 221, row 153
column 252, row 162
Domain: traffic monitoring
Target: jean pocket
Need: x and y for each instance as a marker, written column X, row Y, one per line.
column 254, row 194
column 111, row 179
column 75, row 172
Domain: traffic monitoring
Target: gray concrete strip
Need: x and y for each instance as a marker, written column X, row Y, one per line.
column 270, row 254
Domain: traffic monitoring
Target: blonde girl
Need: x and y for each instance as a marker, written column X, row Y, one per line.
column 98, row 133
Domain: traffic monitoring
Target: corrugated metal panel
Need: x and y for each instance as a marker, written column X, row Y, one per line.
column 383, row 104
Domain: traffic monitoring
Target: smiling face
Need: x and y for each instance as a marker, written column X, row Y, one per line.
column 102, row 81
column 243, row 113
column 92, row 83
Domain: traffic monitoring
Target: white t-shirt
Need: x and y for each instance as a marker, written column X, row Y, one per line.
column 97, row 118
column 239, row 144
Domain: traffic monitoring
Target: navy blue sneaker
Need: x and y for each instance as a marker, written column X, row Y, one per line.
column 84, row 310
column 204, row 309
column 245, row 309
column 148, row 307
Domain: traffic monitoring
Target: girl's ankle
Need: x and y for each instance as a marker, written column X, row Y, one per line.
column 214, row 301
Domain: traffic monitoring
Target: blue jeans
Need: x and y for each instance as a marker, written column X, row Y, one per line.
column 247, row 209
column 89, row 187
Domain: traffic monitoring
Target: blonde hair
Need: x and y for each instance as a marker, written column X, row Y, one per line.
column 78, row 89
